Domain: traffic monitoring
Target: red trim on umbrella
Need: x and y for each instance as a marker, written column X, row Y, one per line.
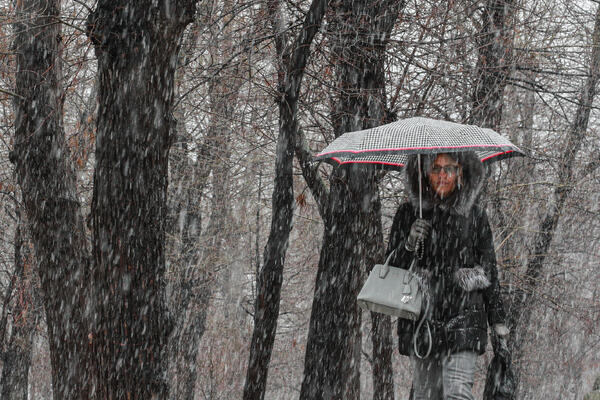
column 413, row 148
column 496, row 155
column 402, row 165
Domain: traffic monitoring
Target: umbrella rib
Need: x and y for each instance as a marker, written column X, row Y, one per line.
column 367, row 162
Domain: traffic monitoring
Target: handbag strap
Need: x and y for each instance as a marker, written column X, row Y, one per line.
column 416, row 334
column 430, row 339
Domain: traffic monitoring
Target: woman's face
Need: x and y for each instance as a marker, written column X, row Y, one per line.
column 443, row 175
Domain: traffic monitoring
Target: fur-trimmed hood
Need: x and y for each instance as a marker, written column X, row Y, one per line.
column 464, row 196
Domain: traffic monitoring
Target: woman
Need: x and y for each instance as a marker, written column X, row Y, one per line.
column 457, row 270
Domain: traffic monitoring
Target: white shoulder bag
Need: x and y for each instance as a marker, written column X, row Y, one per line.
column 394, row 291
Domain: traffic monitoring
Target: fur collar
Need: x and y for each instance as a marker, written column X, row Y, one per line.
column 463, row 198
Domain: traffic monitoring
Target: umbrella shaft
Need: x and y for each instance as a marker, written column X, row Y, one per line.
column 420, row 187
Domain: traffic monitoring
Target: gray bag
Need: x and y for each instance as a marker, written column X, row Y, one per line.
column 395, row 291
column 392, row 291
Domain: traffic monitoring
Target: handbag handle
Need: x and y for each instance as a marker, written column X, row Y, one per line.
column 383, row 271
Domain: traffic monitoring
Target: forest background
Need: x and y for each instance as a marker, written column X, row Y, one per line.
column 165, row 234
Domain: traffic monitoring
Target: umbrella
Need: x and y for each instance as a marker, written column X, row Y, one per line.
column 388, row 146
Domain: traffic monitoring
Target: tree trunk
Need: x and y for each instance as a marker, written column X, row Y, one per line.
column 383, row 348
column 47, row 183
column 352, row 238
column 331, row 363
column 266, row 307
column 17, row 356
column 136, row 43
column 493, row 64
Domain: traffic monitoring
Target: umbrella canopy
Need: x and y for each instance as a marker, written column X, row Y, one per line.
column 389, row 145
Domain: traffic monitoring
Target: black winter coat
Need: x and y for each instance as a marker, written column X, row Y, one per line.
column 459, row 268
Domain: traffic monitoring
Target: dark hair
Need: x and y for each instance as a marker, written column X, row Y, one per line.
column 473, row 175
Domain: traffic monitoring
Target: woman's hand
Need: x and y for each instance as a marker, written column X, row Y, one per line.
column 501, row 330
column 418, row 232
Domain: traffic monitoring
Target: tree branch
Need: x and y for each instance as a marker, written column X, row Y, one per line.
column 310, row 172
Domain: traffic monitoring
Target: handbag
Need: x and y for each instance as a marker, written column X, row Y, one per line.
column 395, row 291
column 392, row 291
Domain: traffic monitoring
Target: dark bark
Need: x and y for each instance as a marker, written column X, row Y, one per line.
column 266, row 307
column 16, row 362
column 383, row 348
column 331, row 364
column 136, row 43
column 521, row 309
column 16, row 276
column 47, row 183
column 352, row 238
column 16, row 358
column 493, row 64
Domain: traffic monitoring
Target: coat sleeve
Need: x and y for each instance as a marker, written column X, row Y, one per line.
column 486, row 257
column 398, row 234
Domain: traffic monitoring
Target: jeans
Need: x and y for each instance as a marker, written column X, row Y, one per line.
column 445, row 377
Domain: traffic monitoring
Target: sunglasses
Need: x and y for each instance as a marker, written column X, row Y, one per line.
column 448, row 169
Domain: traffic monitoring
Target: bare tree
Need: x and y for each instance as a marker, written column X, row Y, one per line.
column 200, row 252
column 353, row 238
column 48, row 186
column 292, row 58
column 136, row 44
column 520, row 313
column 17, row 354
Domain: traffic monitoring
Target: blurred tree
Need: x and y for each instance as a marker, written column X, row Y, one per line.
column 520, row 311
column 199, row 252
column 16, row 357
column 595, row 393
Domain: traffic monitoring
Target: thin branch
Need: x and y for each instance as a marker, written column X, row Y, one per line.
column 8, row 92
column 311, row 175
